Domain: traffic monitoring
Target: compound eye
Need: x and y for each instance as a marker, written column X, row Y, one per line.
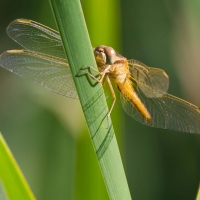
column 110, row 55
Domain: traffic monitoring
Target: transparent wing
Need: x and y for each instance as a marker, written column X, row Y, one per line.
column 153, row 82
column 167, row 112
column 51, row 72
column 36, row 37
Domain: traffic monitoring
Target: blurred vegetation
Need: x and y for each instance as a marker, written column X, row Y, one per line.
column 47, row 133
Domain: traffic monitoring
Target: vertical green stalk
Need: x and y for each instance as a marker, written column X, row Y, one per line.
column 72, row 27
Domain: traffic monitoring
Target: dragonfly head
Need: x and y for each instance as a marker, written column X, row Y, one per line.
column 104, row 55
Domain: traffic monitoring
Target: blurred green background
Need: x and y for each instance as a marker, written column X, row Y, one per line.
column 47, row 132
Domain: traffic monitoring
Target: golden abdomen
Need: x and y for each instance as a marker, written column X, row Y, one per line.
column 128, row 91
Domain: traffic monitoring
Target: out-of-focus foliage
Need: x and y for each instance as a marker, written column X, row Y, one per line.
column 163, row 164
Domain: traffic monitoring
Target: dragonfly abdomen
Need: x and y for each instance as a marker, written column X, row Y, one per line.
column 128, row 91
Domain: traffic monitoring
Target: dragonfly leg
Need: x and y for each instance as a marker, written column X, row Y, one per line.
column 92, row 68
column 114, row 98
column 99, row 80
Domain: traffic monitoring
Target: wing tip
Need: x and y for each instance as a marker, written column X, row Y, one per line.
column 19, row 21
column 24, row 21
column 14, row 51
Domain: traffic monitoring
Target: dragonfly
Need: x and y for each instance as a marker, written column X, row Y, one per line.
column 143, row 89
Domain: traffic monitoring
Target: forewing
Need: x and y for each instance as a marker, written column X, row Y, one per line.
column 153, row 82
column 36, row 37
column 51, row 72
column 167, row 112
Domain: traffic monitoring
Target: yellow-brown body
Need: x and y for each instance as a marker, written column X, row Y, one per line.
column 116, row 67
column 119, row 73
